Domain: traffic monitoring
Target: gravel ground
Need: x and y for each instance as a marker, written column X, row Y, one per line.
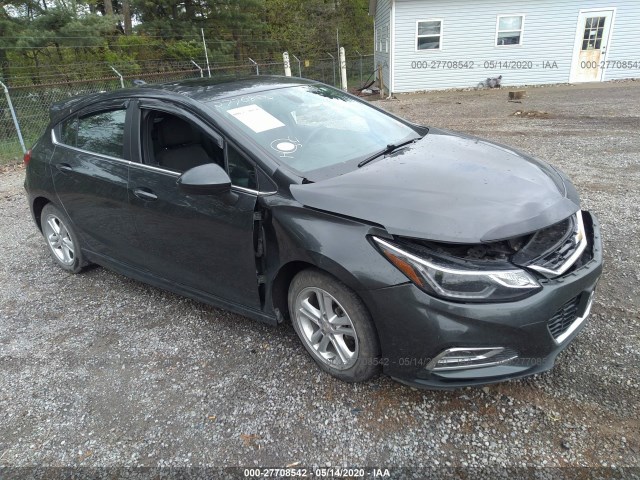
column 99, row 370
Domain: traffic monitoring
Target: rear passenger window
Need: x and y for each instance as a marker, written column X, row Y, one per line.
column 101, row 132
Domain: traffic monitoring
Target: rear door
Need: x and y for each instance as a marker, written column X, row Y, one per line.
column 203, row 242
column 90, row 169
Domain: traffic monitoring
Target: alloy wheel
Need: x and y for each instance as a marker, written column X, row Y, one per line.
column 59, row 239
column 326, row 328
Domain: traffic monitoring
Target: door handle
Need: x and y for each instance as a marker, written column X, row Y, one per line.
column 64, row 167
column 145, row 194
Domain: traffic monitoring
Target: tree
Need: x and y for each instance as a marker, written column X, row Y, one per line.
column 45, row 37
column 37, row 33
column 308, row 27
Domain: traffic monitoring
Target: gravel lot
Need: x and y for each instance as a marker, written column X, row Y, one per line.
column 100, row 370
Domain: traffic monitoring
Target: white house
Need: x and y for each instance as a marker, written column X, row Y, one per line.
column 437, row 44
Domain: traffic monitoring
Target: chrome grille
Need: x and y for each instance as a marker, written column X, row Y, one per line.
column 562, row 258
column 556, row 259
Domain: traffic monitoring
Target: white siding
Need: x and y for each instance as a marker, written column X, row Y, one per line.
column 625, row 40
column 469, row 32
column 382, row 32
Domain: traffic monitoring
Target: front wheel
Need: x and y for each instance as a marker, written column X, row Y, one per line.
column 61, row 239
column 334, row 325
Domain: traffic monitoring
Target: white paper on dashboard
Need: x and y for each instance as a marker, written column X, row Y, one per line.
column 256, row 118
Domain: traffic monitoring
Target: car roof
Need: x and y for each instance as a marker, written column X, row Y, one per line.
column 208, row 89
column 199, row 90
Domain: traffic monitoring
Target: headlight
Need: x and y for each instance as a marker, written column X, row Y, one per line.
column 456, row 282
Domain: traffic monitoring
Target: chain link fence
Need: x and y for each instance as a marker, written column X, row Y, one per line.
column 327, row 69
column 24, row 106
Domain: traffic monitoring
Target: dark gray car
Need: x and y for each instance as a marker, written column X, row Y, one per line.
column 441, row 259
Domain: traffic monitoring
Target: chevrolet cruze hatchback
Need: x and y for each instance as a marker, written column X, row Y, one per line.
column 440, row 259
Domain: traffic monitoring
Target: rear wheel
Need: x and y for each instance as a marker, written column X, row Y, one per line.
column 334, row 326
column 61, row 239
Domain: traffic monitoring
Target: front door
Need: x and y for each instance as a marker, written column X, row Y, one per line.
column 202, row 242
column 592, row 40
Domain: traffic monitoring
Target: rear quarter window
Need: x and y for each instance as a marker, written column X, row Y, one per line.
column 101, row 132
column 68, row 131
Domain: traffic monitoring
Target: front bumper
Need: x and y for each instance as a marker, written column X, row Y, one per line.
column 414, row 327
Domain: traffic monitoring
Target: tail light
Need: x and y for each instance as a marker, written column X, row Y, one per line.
column 27, row 157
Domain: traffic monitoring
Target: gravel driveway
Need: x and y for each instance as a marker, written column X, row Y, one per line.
column 100, row 370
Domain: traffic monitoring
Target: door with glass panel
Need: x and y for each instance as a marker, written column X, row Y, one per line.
column 592, row 40
column 90, row 169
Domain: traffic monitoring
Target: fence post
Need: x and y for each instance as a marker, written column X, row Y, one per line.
column 206, row 53
column 257, row 67
column 287, row 65
column 118, row 73
column 199, row 67
column 360, row 55
column 13, row 116
column 333, row 59
column 299, row 67
column 343, row 69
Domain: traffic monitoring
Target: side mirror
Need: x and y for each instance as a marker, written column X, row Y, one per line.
column 207, row 179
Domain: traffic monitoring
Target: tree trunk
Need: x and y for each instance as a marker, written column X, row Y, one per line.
column 189, row 10
column 126, row 13
column 4, row 63
column 237, row 52
column 108, row 7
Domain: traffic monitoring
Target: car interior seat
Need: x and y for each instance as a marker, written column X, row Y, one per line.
column 180, row 146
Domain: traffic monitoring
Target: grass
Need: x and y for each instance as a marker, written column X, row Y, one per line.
column 10, row 156
column 11, row 151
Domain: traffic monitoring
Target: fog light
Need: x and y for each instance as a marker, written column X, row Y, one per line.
column 463, row 358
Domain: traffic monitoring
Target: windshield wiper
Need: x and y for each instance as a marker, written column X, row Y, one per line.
column 388, row 149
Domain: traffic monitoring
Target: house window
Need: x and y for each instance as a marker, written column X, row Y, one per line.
column 509, row 30
column 429, row 35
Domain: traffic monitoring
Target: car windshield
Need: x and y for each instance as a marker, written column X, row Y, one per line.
column 315, row 130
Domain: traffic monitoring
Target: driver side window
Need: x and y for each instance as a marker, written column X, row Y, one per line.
column 241, row 172
column 173, row 143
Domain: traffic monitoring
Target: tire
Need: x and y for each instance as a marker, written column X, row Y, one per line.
column 343, row 343
column 61, row 239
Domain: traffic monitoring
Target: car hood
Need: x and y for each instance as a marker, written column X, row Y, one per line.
column 448, row 187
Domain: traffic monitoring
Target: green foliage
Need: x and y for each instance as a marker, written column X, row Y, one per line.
column 312, row 27
column 181, row 49
column 75, row 39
